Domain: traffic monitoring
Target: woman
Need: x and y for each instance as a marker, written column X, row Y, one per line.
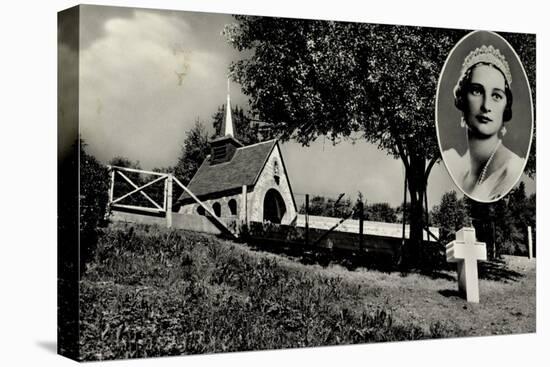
column 488, row 169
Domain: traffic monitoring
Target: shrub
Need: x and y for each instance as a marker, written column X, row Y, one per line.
column 94, row 196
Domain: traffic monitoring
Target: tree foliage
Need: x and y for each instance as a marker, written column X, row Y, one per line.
column 120, row 161
column 376, row 212
column 450, row 215
column 501, row 225
column 328, row 207
column 245, row 131
column 122, row 187
column 310, row 78
column 194, row 150
column 525, row 47
column 381, row 212
column 94, row 197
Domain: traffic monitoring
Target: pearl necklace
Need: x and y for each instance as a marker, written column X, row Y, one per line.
column 484, row 171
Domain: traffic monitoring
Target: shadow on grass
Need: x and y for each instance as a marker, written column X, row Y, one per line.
column 450, row 293
column 324, row 257
column 495, row 270
column 438, row 274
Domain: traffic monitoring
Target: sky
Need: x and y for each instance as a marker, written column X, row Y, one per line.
column 147, row 75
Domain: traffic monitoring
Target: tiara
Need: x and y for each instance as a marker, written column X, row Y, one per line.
column 490, row 55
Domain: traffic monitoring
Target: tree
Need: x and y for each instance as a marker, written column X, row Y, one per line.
column 166, row 169
column 381, row 212
column 450, row 216
column 245, row 131
column 360, row 202
column 194, row 150
column 94, row 189
column 522, row 211
column 525, row 47
column 120, row 161
column 321, row 206
column 317, row 206
column 403, row 212
column 508, row 237
column 122, row 187
column 503, row 224
column 517, row 204
column 309, row 78
column 340, row 208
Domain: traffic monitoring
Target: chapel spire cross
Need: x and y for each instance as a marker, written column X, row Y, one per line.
column 228, row 120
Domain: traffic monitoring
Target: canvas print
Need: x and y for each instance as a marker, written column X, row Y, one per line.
column 232, row 183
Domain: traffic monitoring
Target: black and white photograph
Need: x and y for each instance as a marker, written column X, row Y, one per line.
column 255, row 183
column 484, row 122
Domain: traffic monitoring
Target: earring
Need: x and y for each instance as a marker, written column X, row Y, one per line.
column 462, row 122
column 503, row 131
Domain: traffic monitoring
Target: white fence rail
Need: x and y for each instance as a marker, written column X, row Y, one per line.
column 166, row 207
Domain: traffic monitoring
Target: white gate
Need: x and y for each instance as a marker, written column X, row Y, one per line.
column 158, row 208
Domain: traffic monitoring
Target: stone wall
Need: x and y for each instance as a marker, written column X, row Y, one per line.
column 224, row 205
column 189, row 222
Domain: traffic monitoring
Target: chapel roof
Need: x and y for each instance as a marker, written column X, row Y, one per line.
column 243, row 169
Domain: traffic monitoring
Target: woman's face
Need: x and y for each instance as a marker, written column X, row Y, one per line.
column 486, row 101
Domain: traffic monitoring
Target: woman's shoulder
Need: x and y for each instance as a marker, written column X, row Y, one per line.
column 458, row 166
column 454, row 160
column 509, row 173
column 514, row 163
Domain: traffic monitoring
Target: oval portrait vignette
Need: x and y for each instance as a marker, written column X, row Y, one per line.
column 484, row 116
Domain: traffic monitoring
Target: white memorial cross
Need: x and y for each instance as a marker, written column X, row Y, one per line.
column 466, row 251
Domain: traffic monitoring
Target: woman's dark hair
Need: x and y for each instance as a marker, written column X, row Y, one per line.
column 463, row 85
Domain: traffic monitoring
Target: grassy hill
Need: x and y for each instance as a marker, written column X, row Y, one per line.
column 155, row 292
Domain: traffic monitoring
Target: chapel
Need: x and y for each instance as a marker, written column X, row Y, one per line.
column 241, row 183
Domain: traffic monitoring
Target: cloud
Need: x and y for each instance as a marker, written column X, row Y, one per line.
column 145, row 81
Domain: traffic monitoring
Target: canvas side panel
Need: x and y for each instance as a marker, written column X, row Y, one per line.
column 67, row 182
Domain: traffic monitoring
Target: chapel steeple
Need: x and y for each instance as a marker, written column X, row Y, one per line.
column 223, row 148
column 228, row 122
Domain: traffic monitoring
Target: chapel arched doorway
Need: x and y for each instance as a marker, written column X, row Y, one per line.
column 274, row 206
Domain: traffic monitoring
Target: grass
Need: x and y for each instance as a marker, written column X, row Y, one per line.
column 157, row 292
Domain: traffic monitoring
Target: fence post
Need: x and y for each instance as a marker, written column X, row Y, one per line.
column 307, row 219
column 360, row 207
column 169, row 201
column 165, row 196
column 112, row 188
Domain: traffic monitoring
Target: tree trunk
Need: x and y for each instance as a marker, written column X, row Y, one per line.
column 411, row 253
